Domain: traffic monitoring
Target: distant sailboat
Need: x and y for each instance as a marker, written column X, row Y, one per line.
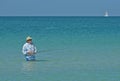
column 106, row 14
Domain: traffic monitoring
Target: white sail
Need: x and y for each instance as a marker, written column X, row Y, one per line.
column 106, row 14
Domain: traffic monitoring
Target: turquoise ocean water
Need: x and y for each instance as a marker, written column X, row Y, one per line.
column 70, row 48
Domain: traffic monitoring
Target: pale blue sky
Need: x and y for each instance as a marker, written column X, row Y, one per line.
column 59, row 7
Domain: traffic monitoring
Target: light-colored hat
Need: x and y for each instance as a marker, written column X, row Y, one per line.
column 28, row 38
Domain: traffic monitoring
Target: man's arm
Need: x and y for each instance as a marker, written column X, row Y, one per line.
column 35, row 50
column 24, row 50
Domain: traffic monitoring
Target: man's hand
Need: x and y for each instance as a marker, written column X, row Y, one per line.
column 31, row 53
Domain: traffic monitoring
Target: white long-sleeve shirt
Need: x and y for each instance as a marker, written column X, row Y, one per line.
column 27, row 47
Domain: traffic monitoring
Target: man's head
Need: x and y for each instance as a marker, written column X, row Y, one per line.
column 29, row 39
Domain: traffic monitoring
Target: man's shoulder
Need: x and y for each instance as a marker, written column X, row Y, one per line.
column 25, row 44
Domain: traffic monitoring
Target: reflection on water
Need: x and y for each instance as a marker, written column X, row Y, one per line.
column 27, row 66
column 27, row 69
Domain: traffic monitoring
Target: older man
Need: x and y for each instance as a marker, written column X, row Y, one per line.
column 29, row 50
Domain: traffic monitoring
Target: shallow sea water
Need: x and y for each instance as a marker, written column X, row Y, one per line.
column 70, row 48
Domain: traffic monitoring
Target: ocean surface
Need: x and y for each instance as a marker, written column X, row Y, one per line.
column 70, row 48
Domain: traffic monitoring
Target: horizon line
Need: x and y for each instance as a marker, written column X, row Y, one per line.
column 51, row 16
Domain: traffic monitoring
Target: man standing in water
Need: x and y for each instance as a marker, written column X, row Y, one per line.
column 29, row 50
